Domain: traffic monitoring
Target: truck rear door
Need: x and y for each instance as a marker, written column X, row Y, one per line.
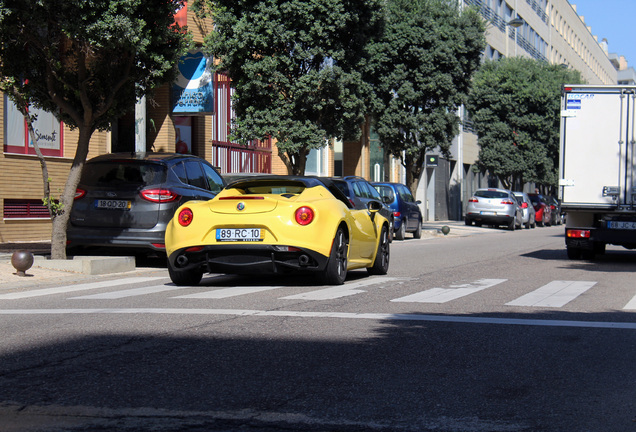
column 597, row 146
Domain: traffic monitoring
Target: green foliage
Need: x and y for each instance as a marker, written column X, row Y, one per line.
column 420, row 70
column 515, row 107
column 295, row 67
column 87, row 60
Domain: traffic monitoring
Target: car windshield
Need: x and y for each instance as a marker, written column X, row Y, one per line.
column 114, row 173
column 385, row 191
column 490, row 194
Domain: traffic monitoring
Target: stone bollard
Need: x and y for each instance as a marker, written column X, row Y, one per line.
column 22, row 261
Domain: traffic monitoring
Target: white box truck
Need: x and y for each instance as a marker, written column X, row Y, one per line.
column 597, row 177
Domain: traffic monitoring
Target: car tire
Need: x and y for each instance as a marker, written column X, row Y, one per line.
column 184, row 277
column 468, row 221
column 418, row 232
column 512, row 225
column 382, row 256
column 401, row 233
column 336, row 270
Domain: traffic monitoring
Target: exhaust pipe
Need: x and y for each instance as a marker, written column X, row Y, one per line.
column 182, row 260
column 303, row 260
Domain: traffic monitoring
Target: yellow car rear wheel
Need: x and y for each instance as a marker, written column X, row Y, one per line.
column 336, row 271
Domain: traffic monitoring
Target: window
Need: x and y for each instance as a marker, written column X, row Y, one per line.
column 195, row 174
column 215, row 181
column 25, row 209
column 47, row 128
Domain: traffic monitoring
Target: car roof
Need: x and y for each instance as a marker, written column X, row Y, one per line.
column 141, row 156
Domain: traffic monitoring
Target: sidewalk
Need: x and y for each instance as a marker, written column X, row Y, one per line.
column 45, row 272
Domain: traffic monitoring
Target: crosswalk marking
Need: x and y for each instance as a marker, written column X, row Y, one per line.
column 443, row 295
column 554, row 294
column 339, row 291
column 74, row 288
column 227, row 292
column 631, row 304
column 129, row 292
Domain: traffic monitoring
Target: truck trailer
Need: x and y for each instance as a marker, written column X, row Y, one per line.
column 597, row 178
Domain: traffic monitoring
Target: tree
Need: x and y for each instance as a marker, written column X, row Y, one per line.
column 86, row 62
column 294, row 65
column 421, row 69
column 515, row 108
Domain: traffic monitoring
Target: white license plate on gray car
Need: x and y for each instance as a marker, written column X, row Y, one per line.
column 113, row 204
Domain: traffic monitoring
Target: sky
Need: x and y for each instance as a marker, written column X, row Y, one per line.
column 614, row 21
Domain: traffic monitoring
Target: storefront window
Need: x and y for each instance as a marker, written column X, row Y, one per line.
column 48, row 131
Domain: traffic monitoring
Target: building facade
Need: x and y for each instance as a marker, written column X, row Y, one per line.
column 546, row 30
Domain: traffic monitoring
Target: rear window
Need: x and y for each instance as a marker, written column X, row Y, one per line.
column 114, row 173
column 491, row 194
column 270, row 187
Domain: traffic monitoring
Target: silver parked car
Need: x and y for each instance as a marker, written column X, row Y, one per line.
column 527, row 209
column 494, row 207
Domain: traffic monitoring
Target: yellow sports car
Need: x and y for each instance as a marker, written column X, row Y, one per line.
column 277, row 224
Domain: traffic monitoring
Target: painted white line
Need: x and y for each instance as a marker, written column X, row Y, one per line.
column 443, row 295
column 631, row 304
column 129, row 292
column 74, row 288
column 340, row 315
column 555, row 294
column 227, row 292
column 339, row 291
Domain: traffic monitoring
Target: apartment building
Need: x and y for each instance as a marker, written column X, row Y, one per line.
column 546, row 30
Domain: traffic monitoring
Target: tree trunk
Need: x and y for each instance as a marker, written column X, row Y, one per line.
column 414, row 170
column 58, row 234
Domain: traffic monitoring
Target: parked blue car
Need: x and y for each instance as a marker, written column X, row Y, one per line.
column 406, row 211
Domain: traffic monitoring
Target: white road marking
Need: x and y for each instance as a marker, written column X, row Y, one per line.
column 554, row 294
column 443, row 295
column 631, row 304
column 227, row 292
column 74, row 288
column 341, row 315
column 129, row 292
column 339, row 291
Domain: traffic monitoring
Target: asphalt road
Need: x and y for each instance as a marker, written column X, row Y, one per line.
column 496, row 331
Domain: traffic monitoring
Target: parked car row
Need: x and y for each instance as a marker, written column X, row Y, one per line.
column 501, row 207
column 126, row 200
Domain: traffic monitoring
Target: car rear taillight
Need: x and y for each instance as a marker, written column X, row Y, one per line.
column 397, row 214
column 508, row 202
column 158, row 195
column 185, row 217
column 524, row 205
column 79, row 193
column 553, row 207
column 577, row 233
column 304, row 215
column 473, row 200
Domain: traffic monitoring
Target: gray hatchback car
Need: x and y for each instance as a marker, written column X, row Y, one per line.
column 494, row 207
column 125, row 200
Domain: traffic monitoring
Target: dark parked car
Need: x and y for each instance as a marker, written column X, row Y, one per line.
column 406, row 211
column 542, row 208
column 555, row 207
column 360, row 192
column 125, row 200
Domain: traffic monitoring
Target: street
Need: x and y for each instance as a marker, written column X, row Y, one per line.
column 491, row 331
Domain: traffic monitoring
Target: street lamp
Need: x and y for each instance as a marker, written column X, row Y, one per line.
column 515, row 23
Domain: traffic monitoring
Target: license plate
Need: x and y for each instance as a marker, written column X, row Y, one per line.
column 239, row 234
column 628, row 225
column 489, row 213
column 113, row 204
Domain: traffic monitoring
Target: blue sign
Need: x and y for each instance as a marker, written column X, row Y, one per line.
column 193, row 90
